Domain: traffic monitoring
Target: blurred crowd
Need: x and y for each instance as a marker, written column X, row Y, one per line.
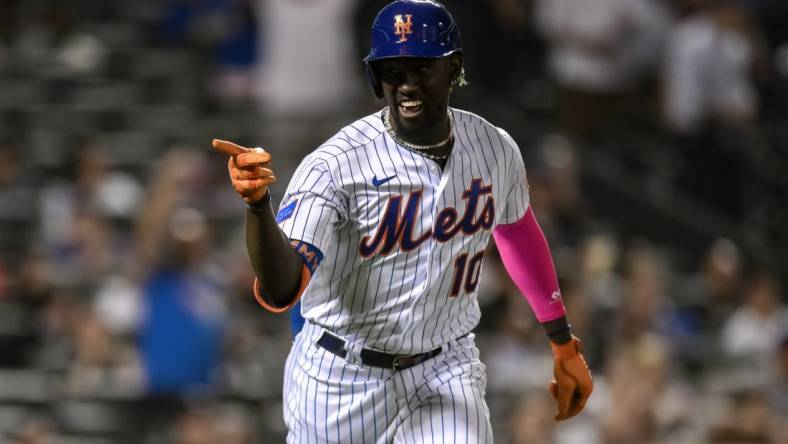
column 654, row 134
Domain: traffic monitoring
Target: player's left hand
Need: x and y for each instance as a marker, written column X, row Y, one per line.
column 572, row 385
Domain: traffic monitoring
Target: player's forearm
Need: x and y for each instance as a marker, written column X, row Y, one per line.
column 277, row 265
column 526, row 255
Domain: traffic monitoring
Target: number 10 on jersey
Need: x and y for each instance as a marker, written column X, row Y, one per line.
column 466, row 273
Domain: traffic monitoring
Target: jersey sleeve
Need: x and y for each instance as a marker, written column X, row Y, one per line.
column 517, row 197
column 312, row 208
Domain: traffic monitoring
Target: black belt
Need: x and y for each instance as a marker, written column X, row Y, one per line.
column 375, row 358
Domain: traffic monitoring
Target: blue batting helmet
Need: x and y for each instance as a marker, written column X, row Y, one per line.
column 411, row 28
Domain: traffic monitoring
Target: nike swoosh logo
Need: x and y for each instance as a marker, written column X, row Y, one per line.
column 377, row 183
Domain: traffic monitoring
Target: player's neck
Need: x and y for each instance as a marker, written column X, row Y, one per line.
column 432, row 134
column 436, row 135
column 438, row 151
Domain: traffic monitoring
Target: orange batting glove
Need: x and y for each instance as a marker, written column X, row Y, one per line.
column 249, row 169
column 572, row 385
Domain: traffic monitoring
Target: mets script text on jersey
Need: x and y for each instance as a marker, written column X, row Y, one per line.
column 396, row 228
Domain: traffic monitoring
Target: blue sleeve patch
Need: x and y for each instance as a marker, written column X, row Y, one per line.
column 311, row 255
column 296, row 320
column 285, row 212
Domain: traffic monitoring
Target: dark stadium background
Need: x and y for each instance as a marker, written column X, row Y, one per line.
column 125, row 309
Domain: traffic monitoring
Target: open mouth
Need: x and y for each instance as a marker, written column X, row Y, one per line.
column 410, row 108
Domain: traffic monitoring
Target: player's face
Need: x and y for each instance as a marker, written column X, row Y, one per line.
column 417, row 92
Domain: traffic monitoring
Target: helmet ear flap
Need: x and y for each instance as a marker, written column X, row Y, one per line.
column 374, row 81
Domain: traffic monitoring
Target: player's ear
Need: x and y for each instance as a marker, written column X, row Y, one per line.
column 456, row 70
column 455, row 66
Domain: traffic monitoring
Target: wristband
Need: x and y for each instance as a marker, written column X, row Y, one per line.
column 258, row 207
column 559, row 330
column 561, row 336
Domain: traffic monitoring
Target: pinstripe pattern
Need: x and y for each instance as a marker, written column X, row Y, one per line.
column 328, row 400
column 401, row 297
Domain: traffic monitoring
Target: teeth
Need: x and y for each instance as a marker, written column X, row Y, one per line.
column 410, row 103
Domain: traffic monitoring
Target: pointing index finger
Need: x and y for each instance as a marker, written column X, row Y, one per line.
column 229, row 148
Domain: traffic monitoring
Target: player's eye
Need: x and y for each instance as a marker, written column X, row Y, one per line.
column 391, row 75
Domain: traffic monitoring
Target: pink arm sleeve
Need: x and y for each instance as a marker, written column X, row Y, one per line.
column 526, row 256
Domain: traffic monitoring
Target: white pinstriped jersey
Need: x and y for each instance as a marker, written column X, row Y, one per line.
column 402, row 240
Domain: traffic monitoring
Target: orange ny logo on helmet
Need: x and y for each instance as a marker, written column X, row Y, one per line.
column 402, row 27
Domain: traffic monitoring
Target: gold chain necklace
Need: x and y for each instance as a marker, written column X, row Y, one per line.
column 420, row 149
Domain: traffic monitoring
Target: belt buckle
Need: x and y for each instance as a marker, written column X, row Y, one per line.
column 395, row 364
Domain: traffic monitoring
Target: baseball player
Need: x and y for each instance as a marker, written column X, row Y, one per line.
column 381, row 236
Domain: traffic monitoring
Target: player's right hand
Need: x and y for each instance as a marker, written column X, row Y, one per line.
column 249, row 169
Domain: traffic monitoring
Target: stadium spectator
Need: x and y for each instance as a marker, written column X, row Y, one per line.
column 710, row 99
column 225, row 31
column 711, row 293
column 103, row 364
column 296, row 67
column 748, row 420
column 600, row 52
column 54, row 43
column 753, row 331
column 645, row 404
column 644, row 307
column 308, row 81
column 709, row 59
column 183, row 312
